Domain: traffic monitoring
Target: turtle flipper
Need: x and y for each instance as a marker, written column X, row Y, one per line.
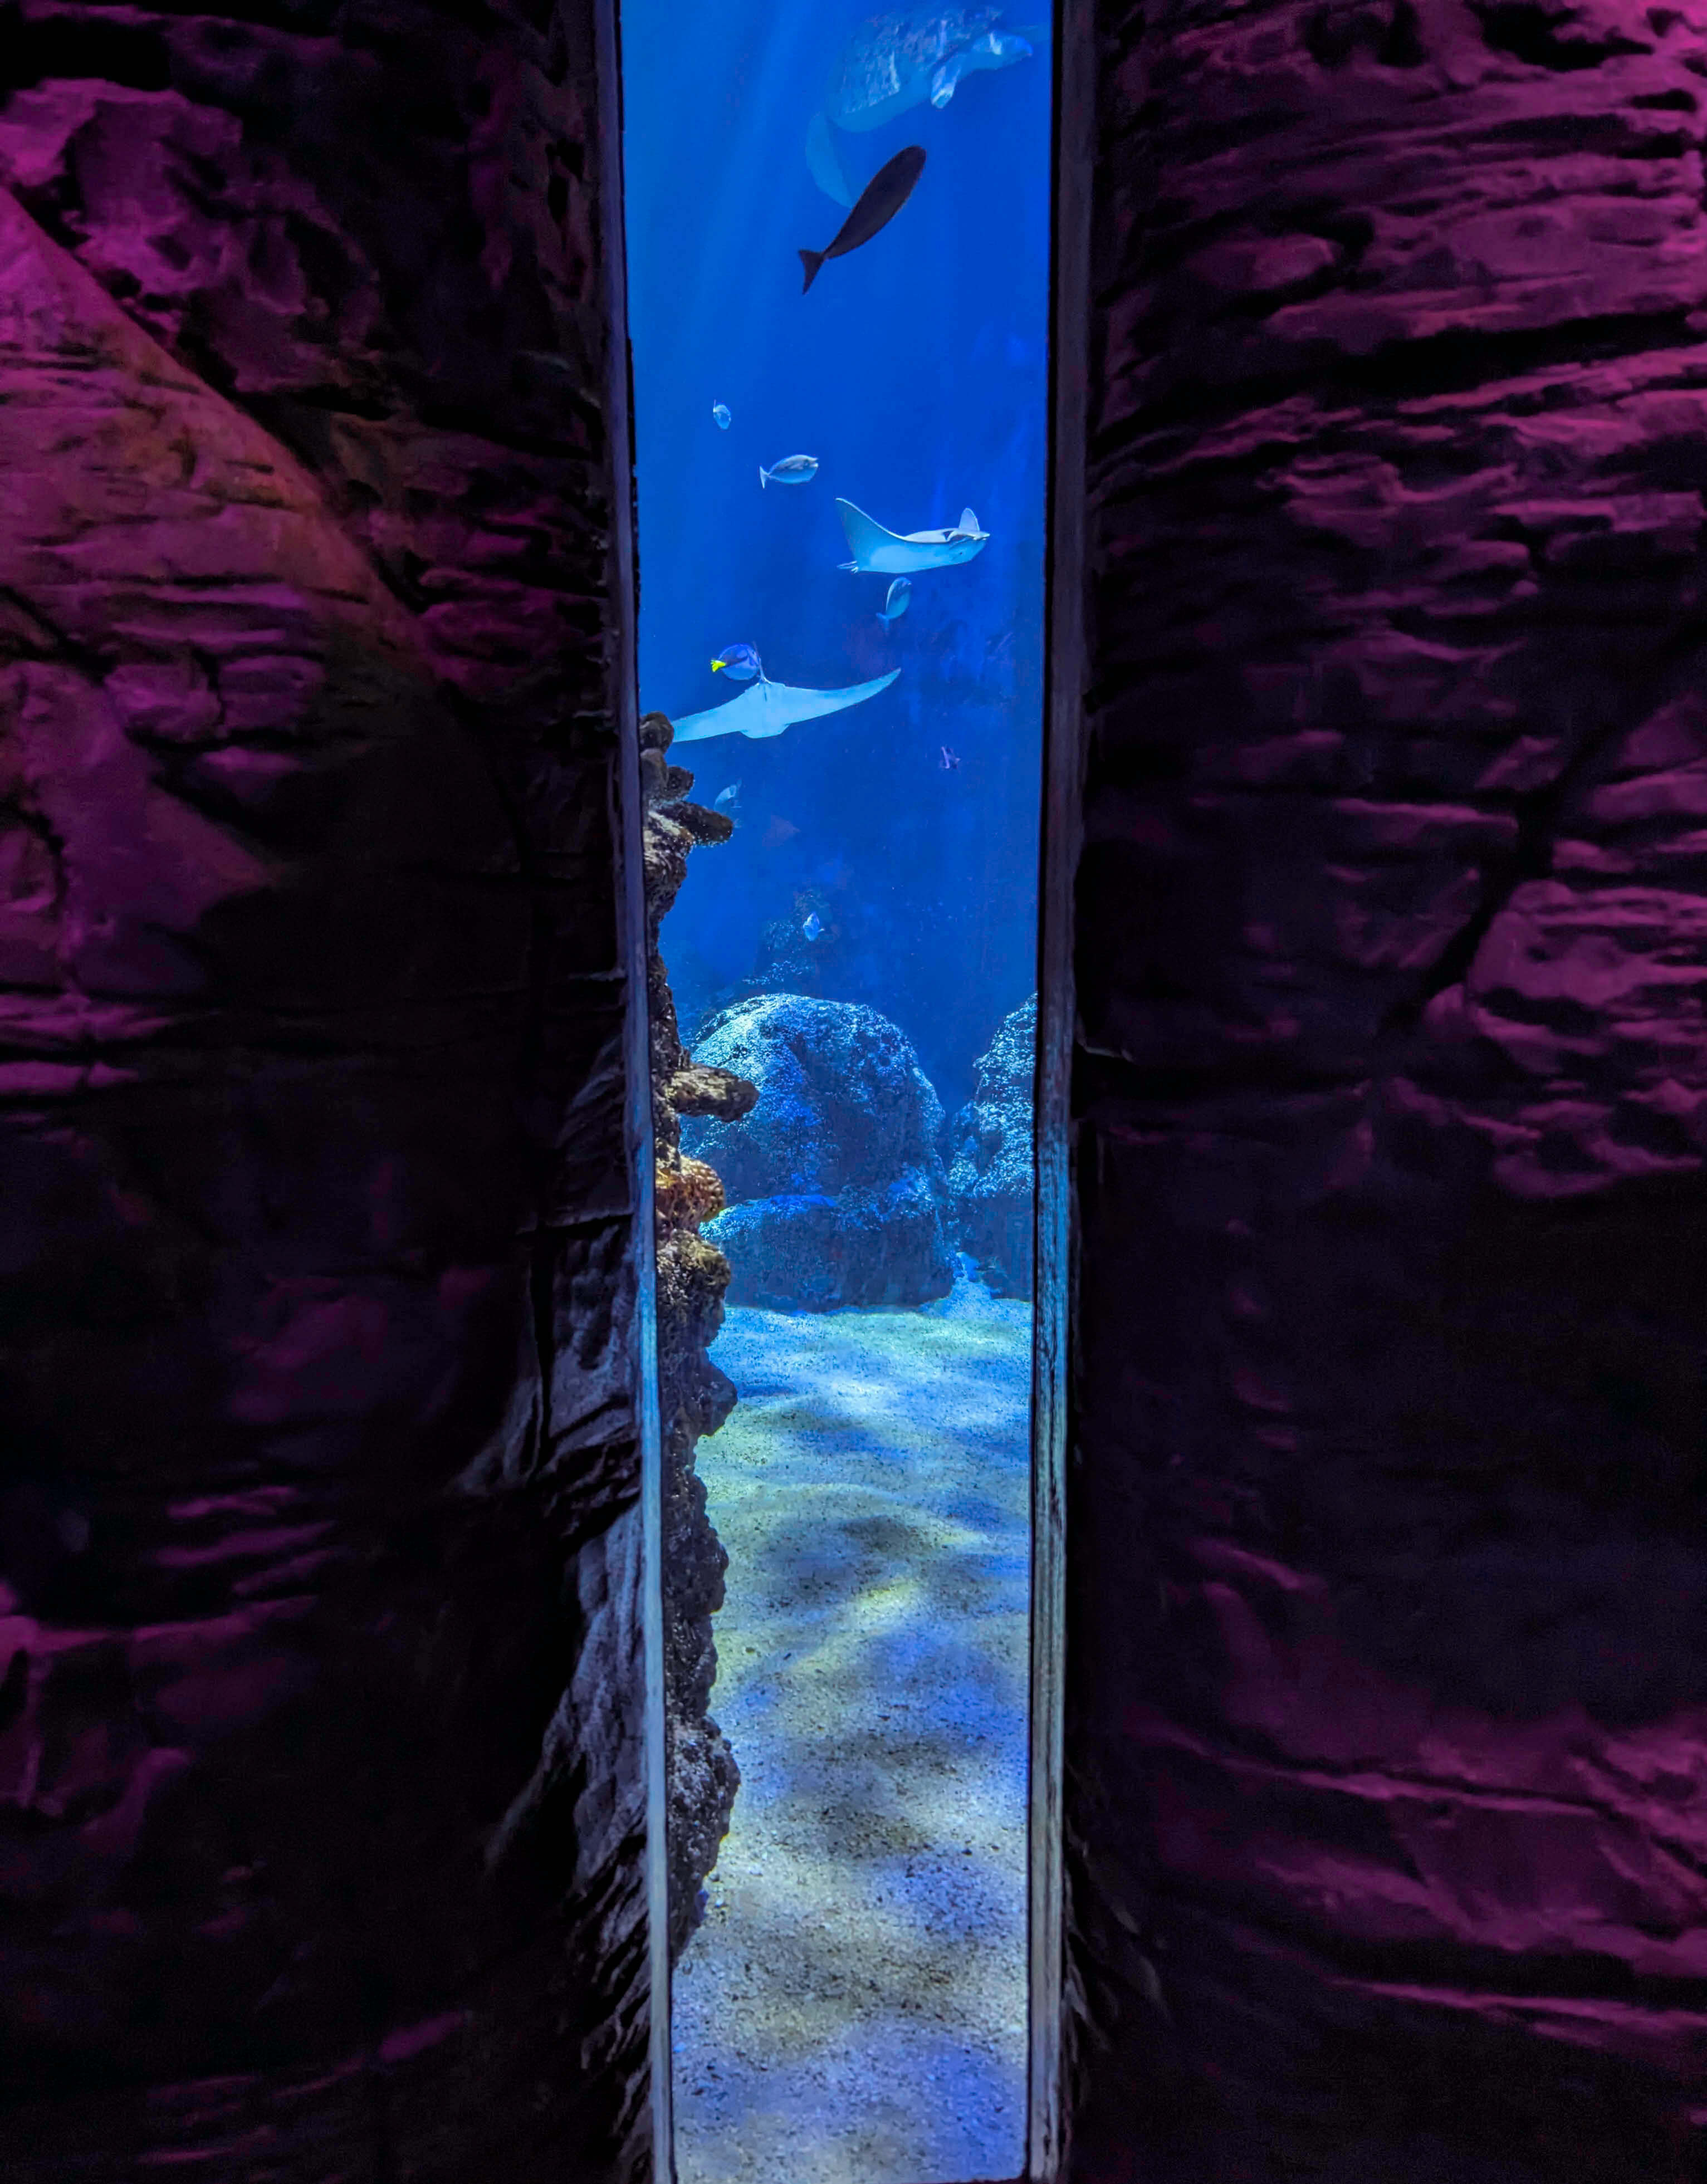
column 947, row 75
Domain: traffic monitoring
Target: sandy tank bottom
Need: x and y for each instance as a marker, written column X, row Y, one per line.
column 854, row 2006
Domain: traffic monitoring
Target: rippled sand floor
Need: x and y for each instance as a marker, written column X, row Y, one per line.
column 853, row 2011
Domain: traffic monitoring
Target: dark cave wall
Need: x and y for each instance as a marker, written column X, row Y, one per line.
column 1387, row 1716
column 320, row 1802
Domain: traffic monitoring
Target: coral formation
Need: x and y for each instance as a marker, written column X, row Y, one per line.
column 991, row 1174
column 694, row 1398
column 837, row 1194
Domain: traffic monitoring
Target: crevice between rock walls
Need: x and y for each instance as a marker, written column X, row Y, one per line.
column 322, row 1808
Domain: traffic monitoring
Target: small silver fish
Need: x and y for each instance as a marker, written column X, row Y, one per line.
column 813, row 926
column 729, row 802
column 720, row 410
column 793, row 470
column 895, row 606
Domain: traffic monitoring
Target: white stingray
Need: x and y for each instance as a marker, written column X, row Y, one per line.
column 768, row 708
column 903, row 553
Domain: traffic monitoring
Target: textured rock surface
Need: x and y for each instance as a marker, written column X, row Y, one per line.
column 992, row 1175
column 694, row 1397
column 1388, row 1708
column 835, row 1188
column 320, row 1807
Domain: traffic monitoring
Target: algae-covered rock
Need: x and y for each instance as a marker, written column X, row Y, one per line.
column 991, row 1174
column 836, row 1190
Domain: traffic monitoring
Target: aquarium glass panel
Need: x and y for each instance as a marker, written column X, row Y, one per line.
column 838, row 239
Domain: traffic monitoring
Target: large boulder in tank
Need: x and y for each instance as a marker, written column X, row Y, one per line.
column 991, row 1172
column 835, row 1188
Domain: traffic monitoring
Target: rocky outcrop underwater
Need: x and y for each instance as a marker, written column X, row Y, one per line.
column 991, row 1172
column 694, row 1398
column 837, row 1194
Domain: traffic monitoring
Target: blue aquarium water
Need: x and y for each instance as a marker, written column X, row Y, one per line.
column 914, row 371
column 853, row 2005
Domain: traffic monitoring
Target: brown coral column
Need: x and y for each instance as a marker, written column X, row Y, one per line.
column 694, row 1398
column 1389, row 1663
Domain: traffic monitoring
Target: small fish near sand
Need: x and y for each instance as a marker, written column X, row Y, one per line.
column 895, row 605
column 880, row 201
column 950, row 760
column 813, row 926
column 720, row 411
column 793, row 470
column 740, row 662
column 729, row 802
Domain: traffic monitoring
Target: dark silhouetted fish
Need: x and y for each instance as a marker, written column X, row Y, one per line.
column 880, row 201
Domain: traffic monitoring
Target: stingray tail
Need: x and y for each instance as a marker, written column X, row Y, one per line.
column 812, row 259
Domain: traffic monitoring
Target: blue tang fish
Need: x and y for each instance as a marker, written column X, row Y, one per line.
column 720, row 410
column 895, row 606
column 813, row 926
column 740, row 662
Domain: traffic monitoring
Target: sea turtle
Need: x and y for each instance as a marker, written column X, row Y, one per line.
column 896, row 62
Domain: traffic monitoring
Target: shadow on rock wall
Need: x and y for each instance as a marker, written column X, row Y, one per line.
column 322, row 1817
column 1386, row 1668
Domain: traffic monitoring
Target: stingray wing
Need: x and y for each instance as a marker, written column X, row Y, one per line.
column 768, row 708
column 872, row 546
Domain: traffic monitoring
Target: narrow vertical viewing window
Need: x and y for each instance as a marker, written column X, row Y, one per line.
column 838, row 229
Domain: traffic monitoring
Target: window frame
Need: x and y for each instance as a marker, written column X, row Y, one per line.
column 1072, row 161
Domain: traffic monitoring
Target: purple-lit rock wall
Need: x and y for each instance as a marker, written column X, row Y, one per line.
column 1387, row 1733
column 320, row 1807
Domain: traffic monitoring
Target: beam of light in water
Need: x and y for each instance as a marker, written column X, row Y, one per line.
column 855, row 2004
